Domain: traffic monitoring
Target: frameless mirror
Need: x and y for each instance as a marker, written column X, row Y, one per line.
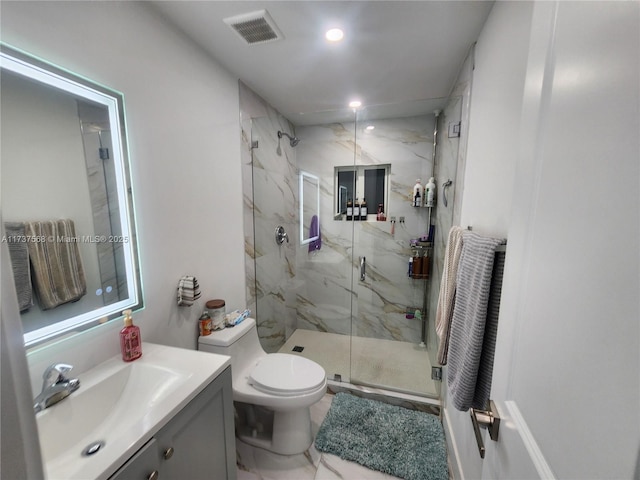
column 309, row 208
column 66, row 198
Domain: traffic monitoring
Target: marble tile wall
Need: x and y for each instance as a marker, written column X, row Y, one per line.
column 329, row 279
column 270, row 189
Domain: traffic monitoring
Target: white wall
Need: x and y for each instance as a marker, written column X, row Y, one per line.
column 492, row 146
column 554, row 121
column 182, row 115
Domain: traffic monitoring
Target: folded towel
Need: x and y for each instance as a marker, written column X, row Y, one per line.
column 467, row 333
column 314, row 231
column 19, row 253
column 57, row 267
column 444, row 311
column 188, row 291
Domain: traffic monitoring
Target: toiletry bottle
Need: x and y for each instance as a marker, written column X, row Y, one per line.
column 349, row 210
column 417, row 194
column 356, row 210
column 410, row 273
column 363, row 210
column 417, row 265
column 205, row 324
column 431, row 193
column 130, row 341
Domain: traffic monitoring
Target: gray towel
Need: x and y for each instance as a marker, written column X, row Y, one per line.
column 485, row 369
column 19, row 253
column 57, row 266
column 467, row 343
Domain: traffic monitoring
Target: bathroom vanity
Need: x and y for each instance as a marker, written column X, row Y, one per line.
column 194, row 443
column 168, row 414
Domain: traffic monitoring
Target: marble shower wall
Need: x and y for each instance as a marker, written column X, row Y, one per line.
column 328, row 280
column 289, row 287
column 270, row 199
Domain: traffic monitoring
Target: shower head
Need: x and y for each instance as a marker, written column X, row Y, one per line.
column 293, row 141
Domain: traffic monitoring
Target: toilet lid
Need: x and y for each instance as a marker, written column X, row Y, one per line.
column 284, row 374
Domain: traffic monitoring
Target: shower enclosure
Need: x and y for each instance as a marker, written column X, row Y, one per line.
column 335, row 290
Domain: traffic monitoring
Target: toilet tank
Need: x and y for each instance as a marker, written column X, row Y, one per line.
column 240, row 342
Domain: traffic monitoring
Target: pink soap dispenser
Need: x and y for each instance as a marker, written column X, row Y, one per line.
column 130, row 341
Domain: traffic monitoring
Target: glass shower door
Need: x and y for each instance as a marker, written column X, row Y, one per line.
column 386, row 333
column 393, row 340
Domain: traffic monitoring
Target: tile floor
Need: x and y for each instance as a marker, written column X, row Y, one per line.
column 258, row 464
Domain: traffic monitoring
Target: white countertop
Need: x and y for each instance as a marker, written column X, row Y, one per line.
column 132, row 406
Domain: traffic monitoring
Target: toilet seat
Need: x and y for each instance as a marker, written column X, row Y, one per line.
column 282, row 374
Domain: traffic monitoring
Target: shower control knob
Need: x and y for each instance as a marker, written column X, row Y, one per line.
column 281, row 235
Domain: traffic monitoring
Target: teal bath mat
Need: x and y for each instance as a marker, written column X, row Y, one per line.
column 394, row 440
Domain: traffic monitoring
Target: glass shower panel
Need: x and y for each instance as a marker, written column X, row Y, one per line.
column 317, row 292
column 275, row 204
column 388, row 345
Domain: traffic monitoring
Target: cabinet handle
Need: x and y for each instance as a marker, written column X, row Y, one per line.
column 153, row 475
column 168, row 453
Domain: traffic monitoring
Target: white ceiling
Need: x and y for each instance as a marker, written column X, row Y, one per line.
column 396, row 55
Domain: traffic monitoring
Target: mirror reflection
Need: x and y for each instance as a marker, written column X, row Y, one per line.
column 309, row 208
column 65, row 198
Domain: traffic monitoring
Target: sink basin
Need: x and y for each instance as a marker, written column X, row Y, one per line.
column 119, row 407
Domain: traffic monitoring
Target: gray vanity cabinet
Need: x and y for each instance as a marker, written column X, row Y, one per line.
column 197, row 443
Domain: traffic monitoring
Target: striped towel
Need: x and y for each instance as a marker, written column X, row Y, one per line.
column 19, row 253
column 467, row 342
column 447, row 294
column 57, row 267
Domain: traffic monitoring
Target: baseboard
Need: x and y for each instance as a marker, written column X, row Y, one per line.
column 455, row 468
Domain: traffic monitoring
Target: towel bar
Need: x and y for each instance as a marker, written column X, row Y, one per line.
column 489, row 419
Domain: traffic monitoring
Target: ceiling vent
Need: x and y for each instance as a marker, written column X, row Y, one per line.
column 255, row 27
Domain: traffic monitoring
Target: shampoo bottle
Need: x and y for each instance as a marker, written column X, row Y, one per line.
column 431, row 193
column 130, row 341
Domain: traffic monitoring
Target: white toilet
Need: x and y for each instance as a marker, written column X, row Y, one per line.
column 272, row 392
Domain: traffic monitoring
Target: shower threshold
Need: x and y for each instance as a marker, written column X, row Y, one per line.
column 398, row 368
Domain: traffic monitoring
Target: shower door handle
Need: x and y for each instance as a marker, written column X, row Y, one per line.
column 363, row 268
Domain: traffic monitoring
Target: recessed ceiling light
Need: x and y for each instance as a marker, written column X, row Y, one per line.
column 355, row 104
column 370, row 127
column 334, row 35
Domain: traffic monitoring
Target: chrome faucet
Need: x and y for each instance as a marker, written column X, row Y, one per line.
column 55, row 386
